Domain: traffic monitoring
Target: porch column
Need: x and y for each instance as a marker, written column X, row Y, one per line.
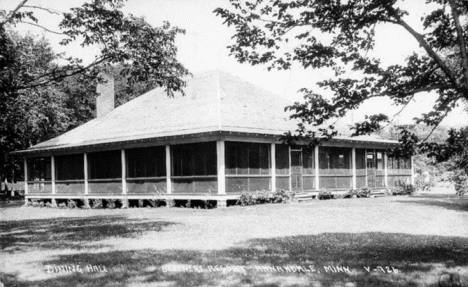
column 365, row 163
column 25, row 162
column 168, row 170
column 385, row 169
column 86, row 186
column 124, row 171
column 412, row 170
column 52, row 171
column 290, row 171
column 221, row 167
column 353, row 160
column 273, row 167
column 317, row 168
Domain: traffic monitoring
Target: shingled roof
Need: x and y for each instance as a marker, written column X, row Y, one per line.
column 213, row 101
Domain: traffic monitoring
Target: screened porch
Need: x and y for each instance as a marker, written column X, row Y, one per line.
column 214, row 167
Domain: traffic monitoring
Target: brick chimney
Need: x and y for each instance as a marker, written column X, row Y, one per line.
column 105, row 102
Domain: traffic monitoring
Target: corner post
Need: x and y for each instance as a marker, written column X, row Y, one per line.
column 86, row 185
column 52, row 171
column 317, row 168
column 124, row 178
column 353, row 160
column 220, row 153
column 273, row 167
column 124, row 171
column 289, row 168
column 412, row 170
column 168, row 169
column 385, row 169
column 25, row 162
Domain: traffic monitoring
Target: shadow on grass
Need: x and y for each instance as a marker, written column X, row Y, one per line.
column 457, row 204
column 420, row 260
column 70, row 232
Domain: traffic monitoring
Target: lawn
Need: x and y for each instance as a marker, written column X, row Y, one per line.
column 392, row 241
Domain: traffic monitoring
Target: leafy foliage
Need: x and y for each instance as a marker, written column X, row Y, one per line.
column 339, row 35
column 43, row 94
column 460, row 179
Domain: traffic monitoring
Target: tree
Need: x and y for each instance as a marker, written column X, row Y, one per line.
column 40, row 98
column 261, row 29
column 339, row 35
column 27, row 117
column 146, row 53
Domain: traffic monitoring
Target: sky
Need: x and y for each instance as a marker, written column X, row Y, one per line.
column 203, row 48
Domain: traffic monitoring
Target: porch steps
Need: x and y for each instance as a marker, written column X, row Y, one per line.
column 378, row 193
column 304, row 197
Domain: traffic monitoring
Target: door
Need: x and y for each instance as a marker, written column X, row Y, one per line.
column 296, row 170
column 371, row 169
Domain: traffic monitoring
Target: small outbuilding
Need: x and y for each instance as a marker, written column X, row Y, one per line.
column 219, row 140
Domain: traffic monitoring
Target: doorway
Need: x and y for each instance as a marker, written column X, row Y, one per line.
column 296, row 170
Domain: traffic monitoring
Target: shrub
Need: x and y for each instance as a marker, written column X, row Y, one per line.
column 404, row 189
column 364, row 192
column 170, row 203
column 280, row 196
column 246, row 198
column 261, row 197
column 96, row 203
column 111, row 203
column 460, row 181
column 324, row 194
column 71, row 203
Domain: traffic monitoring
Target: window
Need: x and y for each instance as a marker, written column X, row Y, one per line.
column 69, row 167
column 360, row 159
column 105, row 165
column 39, row 169
column 247, row 158
column 399, row 163
column 194, row 159
column 282, row 159
column 146, row 162
column 308, row 162
column 380, row 163
column 334, row 158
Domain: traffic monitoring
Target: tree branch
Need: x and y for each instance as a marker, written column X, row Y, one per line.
column 42, row 8
column 461, row 41
column 430, row 52
column 62, row 76
column 415, row 91
column 42, row 27
column 9, row 17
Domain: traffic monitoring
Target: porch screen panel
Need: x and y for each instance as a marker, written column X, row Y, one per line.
column 308, row 168
column 380, row 172
column 69, row 174
column 399, row 171
column 361, row 181
column 105, row 172
column 194, row 168
column 39, row 175
column 282, row 167
column 247, row 166
column 335, row 168
column 146, row 170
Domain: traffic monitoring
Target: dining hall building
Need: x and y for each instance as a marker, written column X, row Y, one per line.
column 218, row 141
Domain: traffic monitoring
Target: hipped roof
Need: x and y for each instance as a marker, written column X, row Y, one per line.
column 214, row 101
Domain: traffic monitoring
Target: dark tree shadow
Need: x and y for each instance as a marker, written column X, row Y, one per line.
column 418, row 258
column 456, row 204
column 71, row 232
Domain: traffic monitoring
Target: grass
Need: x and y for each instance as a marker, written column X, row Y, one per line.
column 420, row 237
